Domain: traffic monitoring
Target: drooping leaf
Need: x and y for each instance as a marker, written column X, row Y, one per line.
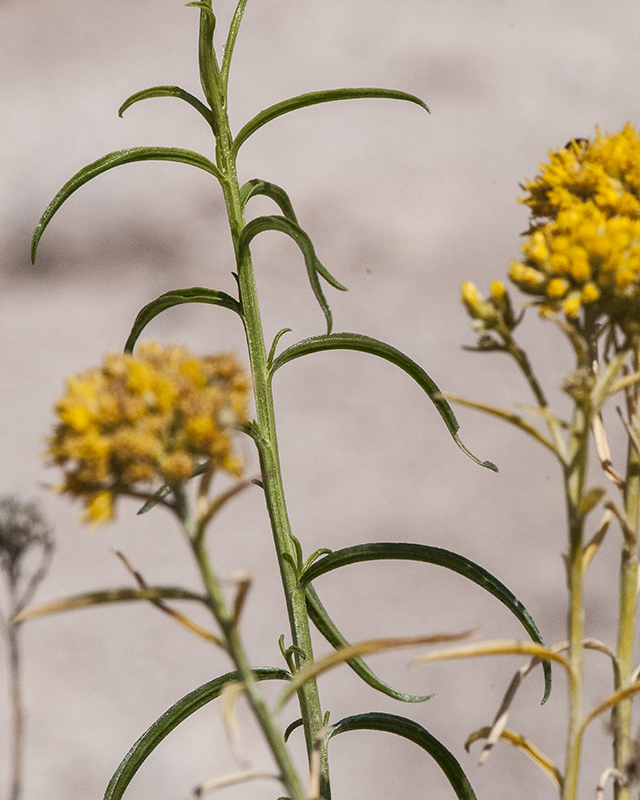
column 528, row 748
column 284, row 225
column 366, row 344
column 311, row 670
column 116, row 159
column 256, row 187
column 178, row 712
column 281, row 199
column 323, row 622
column 404, row 551
column 408, row 729
column 175, row 298
column 297, row 723
column 170, row 91
column 314, row 98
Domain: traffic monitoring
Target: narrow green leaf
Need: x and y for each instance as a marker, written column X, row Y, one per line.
column 323, row 622
column 298, row 723
column 274, row 345
column 314, row 98
column 170, row 91
column 366, row 344
column 112, row 160
column 210, row 78
column 281, row 199
column 175, row 298
column 404, row 551
column 178, row 712
column 234, row 27
column 408, row 729
column 256, row 186
column 284, row 225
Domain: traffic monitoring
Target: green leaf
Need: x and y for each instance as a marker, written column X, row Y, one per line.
column 312, row 99
column 408, row 729
column 375, row 551
column 366, row 344
column 256, row 186
column 210, row 78
column 112, row 160
column 298, row 723
column 170, row 91
column 178, row 712
column 234, row 27
column 175, row 298
column 323, row 622
column 284, row 225
column 281, row 198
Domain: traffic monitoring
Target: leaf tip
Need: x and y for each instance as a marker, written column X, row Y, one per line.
column 35, row 240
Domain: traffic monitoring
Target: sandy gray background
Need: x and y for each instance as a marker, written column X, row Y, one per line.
column 402, row 208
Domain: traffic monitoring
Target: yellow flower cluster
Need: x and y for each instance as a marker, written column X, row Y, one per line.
column 584, row 245
column 146, row 418
column 491, row 313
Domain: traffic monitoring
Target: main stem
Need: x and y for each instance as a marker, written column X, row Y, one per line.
column 627, row 606
column 574, row 487
column 308, row 695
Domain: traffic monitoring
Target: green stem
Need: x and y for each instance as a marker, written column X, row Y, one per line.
column 523, row 362
column 266, row 720
column 575, row 474
column 265, row 416
column 622, row 743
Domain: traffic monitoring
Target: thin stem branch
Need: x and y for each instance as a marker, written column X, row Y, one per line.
column 574, row 477
column 17, row 711
column 622, row 744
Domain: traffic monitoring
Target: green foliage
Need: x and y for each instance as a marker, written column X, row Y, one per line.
column 170, row 720
column 297, row 572
column 408, row 729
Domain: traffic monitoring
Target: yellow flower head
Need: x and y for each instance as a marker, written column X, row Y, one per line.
column 146, row 419
column 584, row 247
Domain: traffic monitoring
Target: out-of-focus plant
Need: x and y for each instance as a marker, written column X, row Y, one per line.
column 26, row 549
column 159, row 424
column 580, row 266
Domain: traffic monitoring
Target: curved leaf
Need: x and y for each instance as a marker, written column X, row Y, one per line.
column 170, row 91
column 310, row 670
column 112, row 160
column 281, row 199
column 404, row 551
column 171, row 718
column 256, row 186
column 284, row 225
column 175, row 298
column 323, row 622
column 528, row 748
column 408, row 729
column 314, row 98
column 366, row 344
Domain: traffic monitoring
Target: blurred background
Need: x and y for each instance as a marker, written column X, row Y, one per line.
column 402, row 207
